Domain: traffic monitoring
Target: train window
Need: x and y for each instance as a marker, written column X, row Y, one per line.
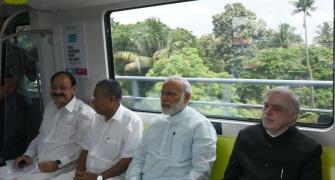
column 231, row 51
column 31, row 75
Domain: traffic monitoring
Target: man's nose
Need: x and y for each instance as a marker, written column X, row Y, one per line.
column 267, row 111
column 56, row 89
column 163, row 97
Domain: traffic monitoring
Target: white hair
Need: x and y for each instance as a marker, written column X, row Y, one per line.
column 285, row 90
column 186, row 85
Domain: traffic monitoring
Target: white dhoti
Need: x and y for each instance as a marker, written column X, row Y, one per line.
column 31, row 172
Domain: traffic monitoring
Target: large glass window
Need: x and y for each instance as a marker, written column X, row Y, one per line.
column 232, row 52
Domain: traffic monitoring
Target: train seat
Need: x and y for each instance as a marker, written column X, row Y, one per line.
column 225, row 146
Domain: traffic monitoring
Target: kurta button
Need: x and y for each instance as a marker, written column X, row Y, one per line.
column 266, row 165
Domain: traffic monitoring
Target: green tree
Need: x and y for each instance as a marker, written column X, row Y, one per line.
column 287, row 63
column 325, row 35
column 234, row 30
column 285, row 36
column 136, row 46
column 186, row 62
column 271, row 63
column 322, row 63
column 150, row 36
column 181, row 37
column 306, row 6
column 122, row 37
column 205, row 45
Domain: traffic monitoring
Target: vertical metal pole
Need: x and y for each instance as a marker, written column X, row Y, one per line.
column 2, row 31
column 225, row 98
column 134, row 87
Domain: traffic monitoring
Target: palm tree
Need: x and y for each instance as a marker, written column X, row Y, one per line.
column 286, row 35
column 148, row 39
column 325, row 35
column 306, row 6
column 144, row 40
column 132, row 62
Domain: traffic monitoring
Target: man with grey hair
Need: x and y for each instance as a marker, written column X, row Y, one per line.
column 275, row 149
column 180, row 144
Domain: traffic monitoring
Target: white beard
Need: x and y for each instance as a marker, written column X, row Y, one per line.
column 174, row 107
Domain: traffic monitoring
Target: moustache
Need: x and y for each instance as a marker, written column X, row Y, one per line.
column 58, row 94
column 165, row 104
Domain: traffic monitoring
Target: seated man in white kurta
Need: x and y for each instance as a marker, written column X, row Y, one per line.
column 58, row 143
column 113, row 138
column 180, row 144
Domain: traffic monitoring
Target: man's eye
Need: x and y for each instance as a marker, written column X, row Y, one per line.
column 168, row 93
column 278, row 109
column 171, row 93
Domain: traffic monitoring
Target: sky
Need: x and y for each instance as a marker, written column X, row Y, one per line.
column 196, row 16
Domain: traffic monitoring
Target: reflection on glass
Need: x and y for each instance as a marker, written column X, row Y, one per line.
column 235, row 50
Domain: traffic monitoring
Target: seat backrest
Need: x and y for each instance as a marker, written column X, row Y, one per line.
column 225, row 146
column 328, row 163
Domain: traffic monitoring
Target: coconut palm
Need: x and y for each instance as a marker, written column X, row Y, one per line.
column 148, row 39
column 136, row 44
column 285, row 36
column 325, row 35
column 306, row 6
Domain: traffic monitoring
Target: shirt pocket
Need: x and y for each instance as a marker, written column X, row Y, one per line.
column 181, row 147
column 64, row 132
column 109, row 149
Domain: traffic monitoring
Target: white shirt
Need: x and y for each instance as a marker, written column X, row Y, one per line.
column 182, row 146
column 61, row 132
column 109, row 141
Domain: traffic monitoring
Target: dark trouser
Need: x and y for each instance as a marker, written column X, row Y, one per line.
column 13, row 130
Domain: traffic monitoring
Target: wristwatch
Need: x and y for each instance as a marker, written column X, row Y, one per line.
column 99, row 177
column 59, row 163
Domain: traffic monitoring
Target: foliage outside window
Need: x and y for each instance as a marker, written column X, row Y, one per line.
column 240, row 45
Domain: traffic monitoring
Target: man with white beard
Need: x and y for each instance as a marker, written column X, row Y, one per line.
column 180, row 144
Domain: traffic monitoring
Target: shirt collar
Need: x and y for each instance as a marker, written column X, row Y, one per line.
column 70, row 106
column 276, row 135
column 118, row 114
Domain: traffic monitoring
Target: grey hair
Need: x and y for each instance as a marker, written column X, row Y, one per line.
column 186, row 85
column 111, row 87
column 289, row 92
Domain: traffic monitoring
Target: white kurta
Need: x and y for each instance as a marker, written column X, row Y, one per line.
column 62, row 132
column 182, row 146
column 109, row 141
column 60, row 138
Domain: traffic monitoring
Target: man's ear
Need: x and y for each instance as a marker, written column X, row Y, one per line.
column 74, row 87
column 187, row 97
column 295, row 116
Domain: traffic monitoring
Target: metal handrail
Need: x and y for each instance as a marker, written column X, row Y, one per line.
column 256, row 106
column 317, row 83
column 235, row 81
column 41, row 31
column 7, row 22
